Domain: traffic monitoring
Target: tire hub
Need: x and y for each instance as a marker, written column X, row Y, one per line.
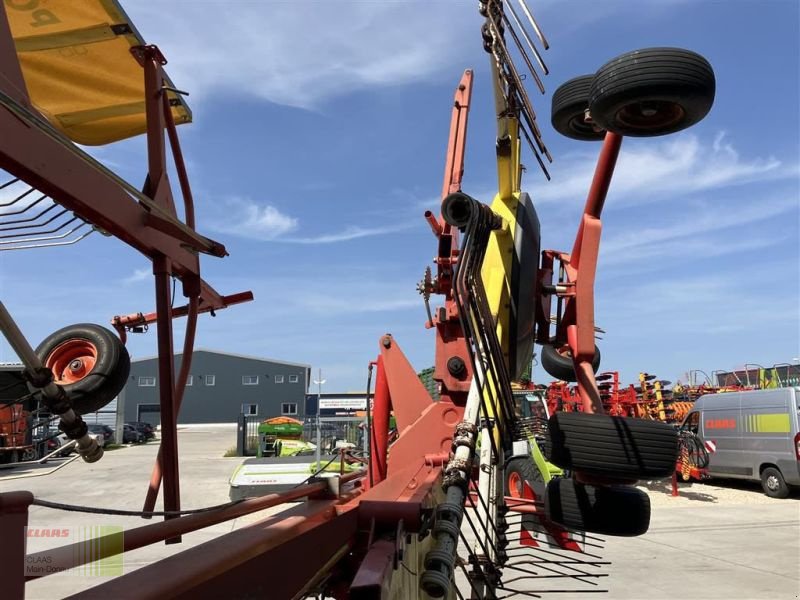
column 773, row 483
column 71, row 361
column 650, row 115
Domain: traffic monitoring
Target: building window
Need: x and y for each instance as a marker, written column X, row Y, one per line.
column 211, row 379
column 147, row 382
column 278, row 378
column 250, row 409
column 294, row 379
column 289, row 408
column 249, row 379
column 189, row 380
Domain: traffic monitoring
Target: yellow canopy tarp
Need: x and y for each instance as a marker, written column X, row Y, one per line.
column 78, row 68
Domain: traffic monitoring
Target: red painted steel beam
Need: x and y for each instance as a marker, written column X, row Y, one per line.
column 373, row 579
column 379, row 442
column 279, row 557
column 166, row 390
column 139, row 537
column 12, row 81
column 454, row 164
column 450, row 342
column 137, row 319
column 408, row 394
column 180, row 387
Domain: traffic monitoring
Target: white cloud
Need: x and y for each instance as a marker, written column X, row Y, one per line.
column 263, row 222
column 248, row 219
column 349, row 233
column 680, row 165
column 137, row 276
column 692, row 229
column 303, row 53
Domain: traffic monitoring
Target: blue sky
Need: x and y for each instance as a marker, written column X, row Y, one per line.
column 318, row 142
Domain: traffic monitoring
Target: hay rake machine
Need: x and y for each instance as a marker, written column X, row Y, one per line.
column 460, row 504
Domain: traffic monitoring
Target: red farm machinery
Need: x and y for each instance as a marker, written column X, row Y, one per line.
column 463, row 502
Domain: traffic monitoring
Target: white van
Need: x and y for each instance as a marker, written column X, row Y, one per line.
column 756, row 434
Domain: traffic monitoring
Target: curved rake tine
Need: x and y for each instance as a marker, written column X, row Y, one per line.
column 22, row 210
column 18, row 198
column 59, row 228
column 528, row 39
column 534, row 24
column 52, row 245
column 8, row 183
column 535, row 153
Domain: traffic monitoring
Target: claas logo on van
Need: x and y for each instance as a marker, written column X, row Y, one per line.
column 721, row 424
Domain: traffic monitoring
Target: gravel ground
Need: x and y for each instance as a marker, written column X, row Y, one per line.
column 727, row 492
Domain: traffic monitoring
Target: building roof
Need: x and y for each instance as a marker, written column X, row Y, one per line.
column 209, row 351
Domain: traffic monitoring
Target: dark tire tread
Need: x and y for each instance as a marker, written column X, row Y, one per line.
column 611, row 446
column 606, row 510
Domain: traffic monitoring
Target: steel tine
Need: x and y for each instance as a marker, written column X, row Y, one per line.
column 524, row 54
column 49, row 245
column 534, row 24
column 18, row 198
column 535, row 131
column 535, row 153
column 528, row 39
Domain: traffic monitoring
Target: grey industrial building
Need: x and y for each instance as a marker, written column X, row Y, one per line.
column 221, row 386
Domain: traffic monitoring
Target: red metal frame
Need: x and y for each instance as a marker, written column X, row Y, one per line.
column 450, row 341
column 35, row 153
column 575, row 327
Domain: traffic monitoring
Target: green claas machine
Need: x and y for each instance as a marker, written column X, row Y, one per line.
column 282, row 436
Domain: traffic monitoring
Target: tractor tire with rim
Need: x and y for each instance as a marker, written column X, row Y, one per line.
column 617, row 447
column 519, row 470
column 89, row 362
column 569, row 106
column 773, row 483
column 560, row 365
column 651, row 92
column 607, row 510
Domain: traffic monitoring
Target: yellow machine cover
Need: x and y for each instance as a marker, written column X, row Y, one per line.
column 78, row 68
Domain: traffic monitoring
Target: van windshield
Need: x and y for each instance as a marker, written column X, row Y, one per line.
column 692, row 422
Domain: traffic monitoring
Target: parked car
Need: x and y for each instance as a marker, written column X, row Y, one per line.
column 104, row 430
column 145, row 429
column 130, row 435
column 756, row 435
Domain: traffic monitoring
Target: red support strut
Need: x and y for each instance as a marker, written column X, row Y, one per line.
column 379, row 444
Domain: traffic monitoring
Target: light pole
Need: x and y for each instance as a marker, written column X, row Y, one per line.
column 318, row 451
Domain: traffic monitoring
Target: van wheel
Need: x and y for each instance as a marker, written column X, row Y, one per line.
column 773, row 483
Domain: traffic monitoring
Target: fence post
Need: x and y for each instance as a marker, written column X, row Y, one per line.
column 241, row 435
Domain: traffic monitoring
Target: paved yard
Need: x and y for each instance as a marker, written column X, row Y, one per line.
column 714, row 541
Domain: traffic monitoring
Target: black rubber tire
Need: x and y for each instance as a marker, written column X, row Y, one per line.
column 678, row 85
column 109, row 374
column 567, row 114
column 773, row 483
column 609, row 446
column 560, row 366
column 618, row 510
column 527, row 470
